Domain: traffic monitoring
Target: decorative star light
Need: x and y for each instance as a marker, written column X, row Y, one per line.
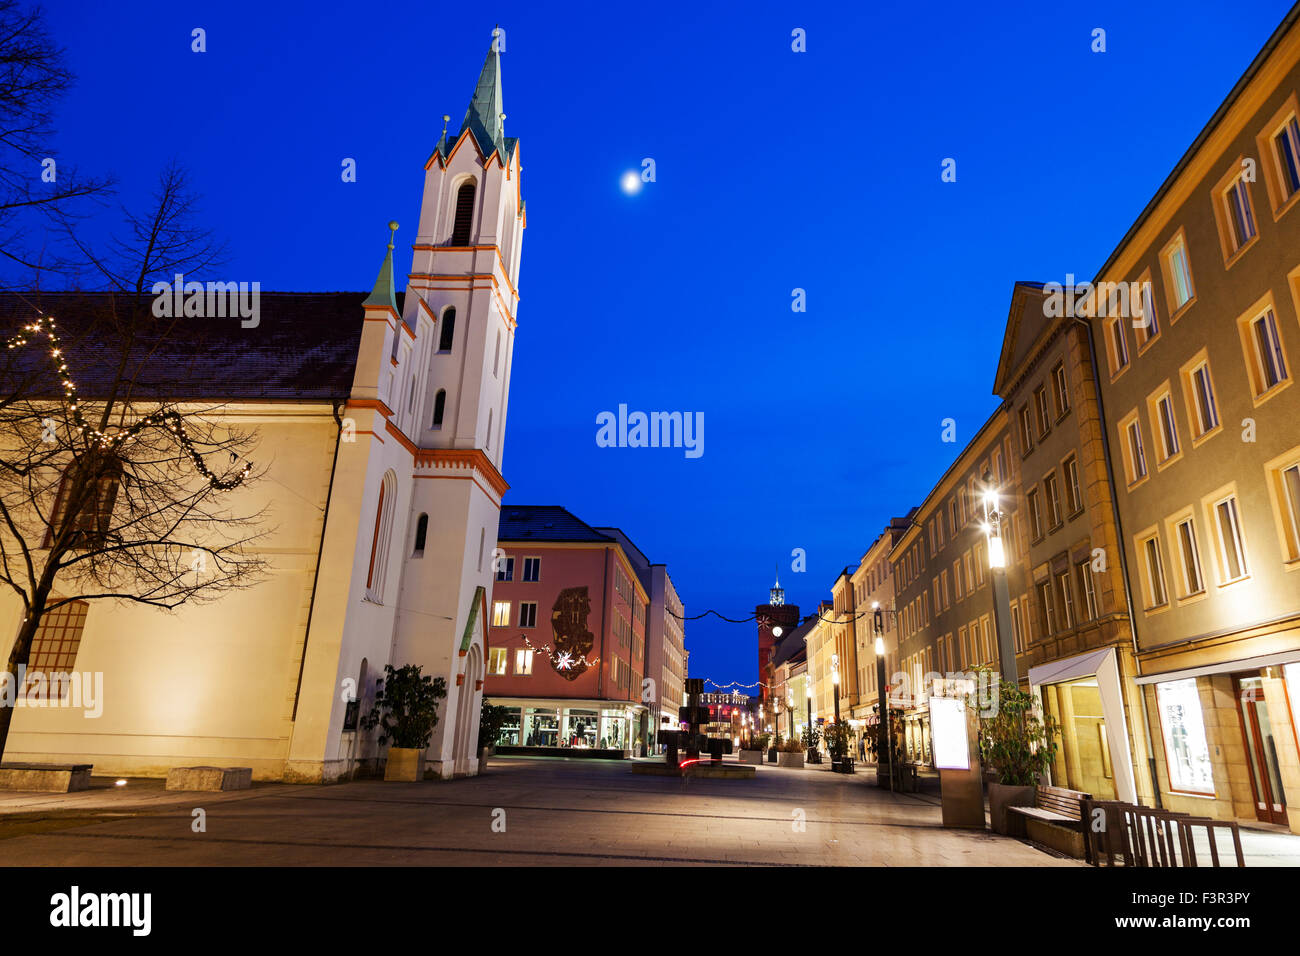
column 563, row 661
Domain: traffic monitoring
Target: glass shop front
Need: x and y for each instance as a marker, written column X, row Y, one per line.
column 585, row 727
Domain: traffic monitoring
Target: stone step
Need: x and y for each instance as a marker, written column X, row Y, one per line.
column 45, row 777
column 209, row 778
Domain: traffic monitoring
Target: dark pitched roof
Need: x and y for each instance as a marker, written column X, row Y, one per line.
column 792, row 645
column 545, row 523
column 303, row 348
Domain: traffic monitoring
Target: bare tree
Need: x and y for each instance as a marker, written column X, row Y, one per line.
column 109, row 488
column 34, row 185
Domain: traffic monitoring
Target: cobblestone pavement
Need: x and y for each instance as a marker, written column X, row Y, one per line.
column 554, row 811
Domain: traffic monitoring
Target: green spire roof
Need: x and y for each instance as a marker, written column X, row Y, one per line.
column 486, row 108
column 383, row 293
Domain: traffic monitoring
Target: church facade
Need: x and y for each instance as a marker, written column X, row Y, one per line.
column 380, row 420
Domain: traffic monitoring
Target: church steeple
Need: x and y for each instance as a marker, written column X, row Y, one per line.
column 776, row 595
column 382, row 294
column 485, row 118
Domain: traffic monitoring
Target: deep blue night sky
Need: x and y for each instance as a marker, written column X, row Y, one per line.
column 775, row 170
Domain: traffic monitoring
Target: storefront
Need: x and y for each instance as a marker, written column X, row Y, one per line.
column 585, row 725
column 1083, row 694
column 1228, row 743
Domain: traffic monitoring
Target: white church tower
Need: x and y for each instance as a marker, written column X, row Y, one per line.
column 406, row 563
column 463, row 277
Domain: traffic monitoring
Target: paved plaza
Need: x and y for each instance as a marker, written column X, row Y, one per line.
column 554, row 812
column 547, row 812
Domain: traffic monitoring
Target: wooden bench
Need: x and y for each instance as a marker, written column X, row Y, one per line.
column 1057, row 819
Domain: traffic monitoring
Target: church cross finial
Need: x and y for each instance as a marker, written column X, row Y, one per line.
column 392, row 227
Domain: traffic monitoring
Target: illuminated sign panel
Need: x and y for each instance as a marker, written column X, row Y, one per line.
column 948, row 738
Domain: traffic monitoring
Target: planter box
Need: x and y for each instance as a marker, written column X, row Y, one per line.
column 790, row 759
column 1000, row 798
column 751, row 756
column 45, row 777
column 842, row 766
column 405, row 764
column 209, row 778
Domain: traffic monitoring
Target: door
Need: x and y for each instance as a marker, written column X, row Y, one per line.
column 1261, row 749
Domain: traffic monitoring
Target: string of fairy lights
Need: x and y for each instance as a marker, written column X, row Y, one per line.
column 564, row 660
column 170, row 420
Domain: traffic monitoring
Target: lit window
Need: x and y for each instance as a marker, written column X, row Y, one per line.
column 1186, row 751
column 1239, row 217
column 500, row 613
column 497, row 661
column 1179, row 273
column 523, row 662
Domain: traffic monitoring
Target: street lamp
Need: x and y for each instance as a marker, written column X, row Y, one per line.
column 789, row 710
column 808, row 687
column 993, row 517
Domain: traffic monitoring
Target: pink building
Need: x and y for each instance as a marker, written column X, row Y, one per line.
column 566, row 646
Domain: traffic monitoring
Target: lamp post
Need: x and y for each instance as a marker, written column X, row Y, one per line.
column 789, row 710
column 883, row 756
column 993, row 517
column 835, row 693
column 808, row 687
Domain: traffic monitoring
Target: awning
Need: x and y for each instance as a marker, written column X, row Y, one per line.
column 1224, row 667
column 1067, row 669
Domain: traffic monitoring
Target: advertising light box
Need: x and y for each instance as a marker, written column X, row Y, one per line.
column 948, row 733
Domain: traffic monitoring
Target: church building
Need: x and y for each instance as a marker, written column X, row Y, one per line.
column 380, row 420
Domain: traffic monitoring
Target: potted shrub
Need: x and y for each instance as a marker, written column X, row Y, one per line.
column 751, row 750
column 791, row 754
column 406, row 711
column 838, row 741
column 490, row 721
column 1019, row 745
column 812, row 736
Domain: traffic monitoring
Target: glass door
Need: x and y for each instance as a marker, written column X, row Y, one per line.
column 1261, row 749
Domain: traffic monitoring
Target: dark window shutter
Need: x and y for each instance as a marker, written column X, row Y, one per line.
column 460, row 232
column 448, row 334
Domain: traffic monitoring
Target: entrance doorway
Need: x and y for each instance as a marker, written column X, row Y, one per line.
column 1261, row 749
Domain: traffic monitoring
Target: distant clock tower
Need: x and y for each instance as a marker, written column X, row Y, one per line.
column 774, row 614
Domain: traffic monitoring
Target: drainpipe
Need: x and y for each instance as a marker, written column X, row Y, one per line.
column 320, row 550
column 1123, row 558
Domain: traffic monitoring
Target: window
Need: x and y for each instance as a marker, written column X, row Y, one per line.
column 1239, row 219
column 532, row 569
column 1186, row 752
column 1262, row 345
column 1286, row 490
column 1189, row 557
column 496, row 661
column 55, row 645
column 1067, row 599
column 1073, row 494
column 1166, row 428
column 439, row 407
column 96, row 504
column 527, row 613
column 500, row 613
column 378, row 568
column 1047, row 614
column 1026, row 438
column 961, row 644
column 462, row 226
column 421, row 533
column 1061, row 389
column 1040, row 409
column 1035, row 514
column 1178, row 273
column 956, row 579
column 1286, row 152
column 1053, row 495
column 1147, row 322
column 488, row 443
column 999, row 466
column 496, row 356
column 1200, row 396
column 1087, row 590
column 523, row 662
column 1135, row 459
column 1153, row 572
column 1118, row 347
column 447, row 336
column 1017, row 634
column 506, row 569
column 1232, row 549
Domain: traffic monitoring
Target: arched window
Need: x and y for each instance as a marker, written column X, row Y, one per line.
column 448, row 334
column 377, row 571
column 460, row 230
column 439, row 406
column 421, row 532
column 488, row 443
column 496, row 358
